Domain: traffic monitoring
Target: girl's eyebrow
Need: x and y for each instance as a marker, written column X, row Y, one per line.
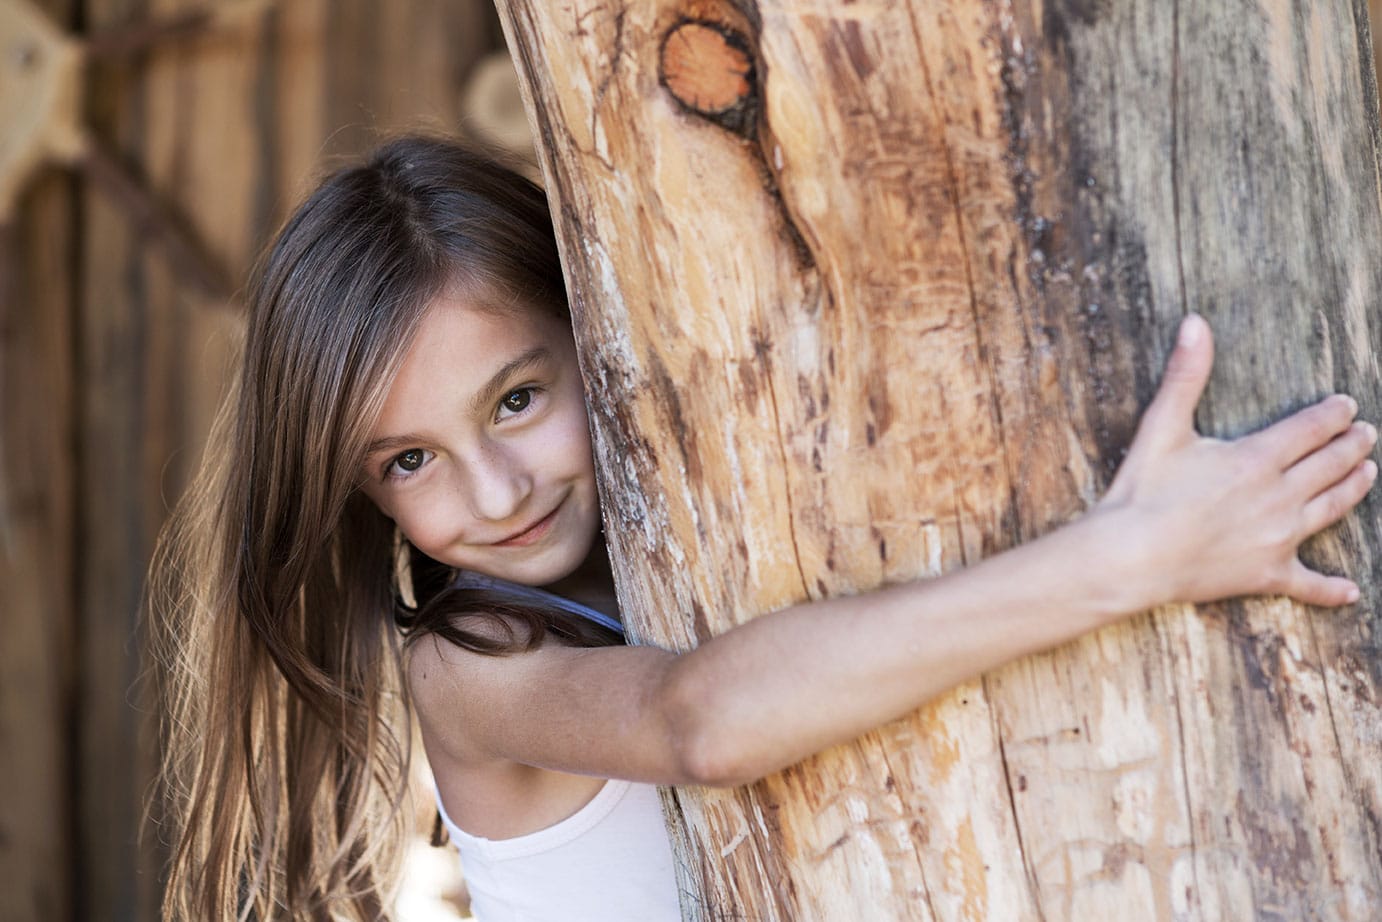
column 392, row 443
column 488, row 394
column 494, row 387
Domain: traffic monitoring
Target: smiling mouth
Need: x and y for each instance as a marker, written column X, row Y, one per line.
column 532, row 533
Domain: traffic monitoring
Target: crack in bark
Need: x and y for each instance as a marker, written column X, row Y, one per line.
column 952, row 178
column 601, row 91
column 920, row 864
column 1175, row 153
column 1357, row 795
column 786, row 480
column 1362, row 22
column 1028, row 869
column 1164, row 637
column 1184, row 310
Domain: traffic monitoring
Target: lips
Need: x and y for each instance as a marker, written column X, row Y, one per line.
column 533, row 533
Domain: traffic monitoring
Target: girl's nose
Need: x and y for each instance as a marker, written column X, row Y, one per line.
column 497, row 484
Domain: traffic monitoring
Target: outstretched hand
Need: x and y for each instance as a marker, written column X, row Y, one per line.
column 1209, row 518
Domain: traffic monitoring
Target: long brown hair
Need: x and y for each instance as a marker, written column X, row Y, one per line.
column 286, row 717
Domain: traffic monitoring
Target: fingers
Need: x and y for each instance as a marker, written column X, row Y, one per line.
column 1171, row 416
column 1305, row 585
column 1334, row 503
column 1301, row 434
column 1326, row 466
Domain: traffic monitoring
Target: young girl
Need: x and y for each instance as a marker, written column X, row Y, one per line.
column 398, row 515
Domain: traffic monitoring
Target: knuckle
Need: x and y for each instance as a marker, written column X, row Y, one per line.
column 1326, row 427
column 1318, row 425
column 1285, row 538
column 1281, row 530
column 1336, row 506
column 1331, row 506
column 1346, row 497
column 1250, row 461
column 1275, row 581
column 1321, row 511
column 1328, row 419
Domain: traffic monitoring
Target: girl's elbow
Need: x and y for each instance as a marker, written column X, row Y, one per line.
column 707, row 749
column 706, row 760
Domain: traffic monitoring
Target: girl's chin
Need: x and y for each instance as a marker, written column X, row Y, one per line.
column 535, row 569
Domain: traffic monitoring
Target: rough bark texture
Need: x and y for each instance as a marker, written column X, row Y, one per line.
column 882, row 291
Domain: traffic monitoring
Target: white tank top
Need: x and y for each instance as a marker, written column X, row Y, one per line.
column 609, row 861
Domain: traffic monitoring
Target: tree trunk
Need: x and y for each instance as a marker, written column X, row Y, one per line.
column 866, row 292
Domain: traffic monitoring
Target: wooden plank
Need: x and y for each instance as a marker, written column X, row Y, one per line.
column 36, row 567
column 155, row 353
column 37, row 600
column 399, row 66
column 114, row 876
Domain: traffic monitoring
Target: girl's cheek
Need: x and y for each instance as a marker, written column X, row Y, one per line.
column 376, row 496
column 426, row 541
column 566, row 449
column 576, row 425
column 423, row 523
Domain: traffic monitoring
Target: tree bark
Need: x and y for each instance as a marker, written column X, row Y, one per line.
column 866, row 292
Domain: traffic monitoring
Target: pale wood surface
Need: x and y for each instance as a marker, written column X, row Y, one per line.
column 897, row 308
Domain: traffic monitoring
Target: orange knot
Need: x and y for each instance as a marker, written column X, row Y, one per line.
column 707, row 67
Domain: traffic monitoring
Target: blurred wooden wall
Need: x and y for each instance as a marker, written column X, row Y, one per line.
column 110, row 366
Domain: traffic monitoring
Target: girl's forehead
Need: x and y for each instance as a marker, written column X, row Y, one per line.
column 459, row 347
column 459, row 329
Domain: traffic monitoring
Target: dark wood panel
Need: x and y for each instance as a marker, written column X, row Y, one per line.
column 36, row 547
column 228, row 127
column 36, row 597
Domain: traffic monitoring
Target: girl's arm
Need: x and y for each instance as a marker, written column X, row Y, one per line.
column 1187, row 519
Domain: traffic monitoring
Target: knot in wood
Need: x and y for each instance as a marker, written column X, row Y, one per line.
column 707, row 68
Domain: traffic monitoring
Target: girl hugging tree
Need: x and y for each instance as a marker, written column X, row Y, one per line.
column 397, row 517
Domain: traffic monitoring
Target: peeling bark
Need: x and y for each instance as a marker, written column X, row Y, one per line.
column 866, row 292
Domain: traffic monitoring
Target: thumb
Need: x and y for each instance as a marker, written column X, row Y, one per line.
column 1171, row 415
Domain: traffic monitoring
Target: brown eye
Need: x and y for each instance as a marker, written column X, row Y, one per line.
column 402, row 466
column 517, row 401
column 410, row 460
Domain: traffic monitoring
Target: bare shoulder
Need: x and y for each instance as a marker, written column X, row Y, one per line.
column 468, row 702
column 464, row 701
column 446, row 681
column 604, row 711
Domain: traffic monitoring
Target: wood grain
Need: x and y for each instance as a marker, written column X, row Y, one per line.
column 907, row 317
column 36, row 555
column 37, row 599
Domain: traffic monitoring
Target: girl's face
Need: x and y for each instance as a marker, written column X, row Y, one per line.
column 482, row 454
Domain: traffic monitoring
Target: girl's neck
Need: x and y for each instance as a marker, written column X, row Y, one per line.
column 592, row 583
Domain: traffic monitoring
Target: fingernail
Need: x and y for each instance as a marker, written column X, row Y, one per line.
column 1352, row 595
column 1371, row 431
column 1190, row 329
column 1370, row 469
